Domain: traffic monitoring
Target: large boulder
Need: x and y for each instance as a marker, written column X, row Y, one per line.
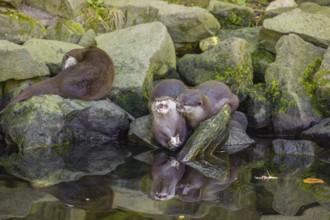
column 140, row 53
column 230, row 14
column 294, row 147
column 229, row 62
column 18, row 27
column 50, row 120
column 185, row 24
column 293, row 110
column 49, row 51
column 311, row 27
column 65, row 30
column 18, row 63
column 320, row 133
column 63, row 8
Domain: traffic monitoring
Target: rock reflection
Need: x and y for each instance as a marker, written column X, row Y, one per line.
column 171, row 178
column 90, row 193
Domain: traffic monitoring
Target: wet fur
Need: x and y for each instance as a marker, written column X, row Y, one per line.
column 203, row 101
column 169, row 125
column 90, row 79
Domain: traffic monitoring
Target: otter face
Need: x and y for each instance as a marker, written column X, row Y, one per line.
column 68, row 61
column 163, row 105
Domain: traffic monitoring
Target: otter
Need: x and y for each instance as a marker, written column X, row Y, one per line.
column 166, row 172
column 169, row 127
column 203, row 101
column 87, row 74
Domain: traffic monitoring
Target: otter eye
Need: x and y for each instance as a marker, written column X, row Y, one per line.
column 199, row 103
column 66, row 55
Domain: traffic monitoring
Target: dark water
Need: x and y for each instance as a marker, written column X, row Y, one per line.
column 128, row 191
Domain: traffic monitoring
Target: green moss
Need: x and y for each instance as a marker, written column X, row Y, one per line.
column 131, row 102
column 75, row 27
column 311, row 87
column 278, row 99
column 184, row 29
column 199, row 3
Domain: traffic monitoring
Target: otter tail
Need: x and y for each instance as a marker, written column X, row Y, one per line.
column 36, row 89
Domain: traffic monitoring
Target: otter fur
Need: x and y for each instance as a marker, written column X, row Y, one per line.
column 203, row 101
column 87, row 74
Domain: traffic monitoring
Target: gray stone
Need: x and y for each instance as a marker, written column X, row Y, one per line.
column 311, row 27
column 293, row 110
column 50, row 120
column 185, row 24
column 209, row 43
column 320, row 133
column 229, row 62
column 140, row 132
column 250, row 34
column 258, row 112
column 18, row 63
column 281, row 4
column 313, row 8
column 44, row 17
column 230, row 14
column 65, row 30
column 88, row 39
column 18, row 28
column 49, row 51
column 14, row 3
column 63, row 8
column 319, row 2
column 261, row 58
column 294, row 147
column 141, row 54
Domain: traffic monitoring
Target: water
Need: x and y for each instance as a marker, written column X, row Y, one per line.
column 264, row 186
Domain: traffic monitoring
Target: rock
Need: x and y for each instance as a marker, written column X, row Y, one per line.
column 229, row 62
column 44, row 17
column 209, row 43
column 320, row 133
column 261, row 58
column 141, row 54
column 319, row 2
column 185, row 24
column 311, row 27
column 281, row 4
column 322, row 80
column 198, row 152
column 250, row 34
column 51, row 120
column 88, row 39
column 294, row 147
column 237, row 139
column 49, row 51
column 140, row 132
column 18, row 28
column 63, row 8
column 313, row 8
column 258, row 112
column 18, row 63
column 14, row 3
column 292, row 109
column 230, row 14
column 65, row 30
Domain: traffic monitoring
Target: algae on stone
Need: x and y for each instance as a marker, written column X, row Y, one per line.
column 65, row 30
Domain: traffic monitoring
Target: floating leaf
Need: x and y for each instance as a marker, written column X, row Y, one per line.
column 313, row 181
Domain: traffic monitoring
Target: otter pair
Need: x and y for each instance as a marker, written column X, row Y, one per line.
column 175, row 108
column 87, row 73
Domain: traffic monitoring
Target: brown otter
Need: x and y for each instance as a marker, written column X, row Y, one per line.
column 203, row 101
column 168, row 125
column 87, row 73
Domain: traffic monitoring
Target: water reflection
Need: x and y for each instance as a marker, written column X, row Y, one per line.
column 171, row 178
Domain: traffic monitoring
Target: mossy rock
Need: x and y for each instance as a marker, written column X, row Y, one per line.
column 65, row 30
column 260, row 60
column 18, row 28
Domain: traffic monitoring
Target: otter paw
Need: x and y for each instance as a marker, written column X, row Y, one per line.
column 174, row 142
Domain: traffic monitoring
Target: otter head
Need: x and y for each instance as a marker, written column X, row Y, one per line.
column 72, row 57
column 166, row 172
column 163, row 104
column 194, row 105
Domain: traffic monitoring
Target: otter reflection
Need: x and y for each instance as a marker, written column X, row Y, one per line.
column 171, row 178
column 90, row 193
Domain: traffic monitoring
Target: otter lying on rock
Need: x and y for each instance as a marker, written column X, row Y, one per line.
column 168, row 125
column 203, row 101
column 87, row 73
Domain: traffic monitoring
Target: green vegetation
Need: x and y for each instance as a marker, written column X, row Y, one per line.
column 101, row 18
column 310, row 84
column 199, row 3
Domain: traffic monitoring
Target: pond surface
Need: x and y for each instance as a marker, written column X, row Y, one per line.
column 260, row 185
